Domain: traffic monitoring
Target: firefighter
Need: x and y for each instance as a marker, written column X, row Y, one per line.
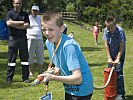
column 17, row 21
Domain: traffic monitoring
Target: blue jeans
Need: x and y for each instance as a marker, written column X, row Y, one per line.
column 120, row 78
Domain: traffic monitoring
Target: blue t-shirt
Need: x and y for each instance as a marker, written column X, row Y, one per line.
column 113, row 40
column 67, row 58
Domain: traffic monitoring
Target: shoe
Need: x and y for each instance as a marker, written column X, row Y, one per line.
column 119, row 97
column 31, row 76
column 9, row 82
column 123, row 97
column 27, row 81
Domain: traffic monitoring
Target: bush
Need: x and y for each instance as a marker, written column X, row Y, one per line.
column 70, row 7
column 92, row 14
column 127, row 19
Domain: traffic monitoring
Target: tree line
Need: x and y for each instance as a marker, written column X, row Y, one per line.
column 88, row 10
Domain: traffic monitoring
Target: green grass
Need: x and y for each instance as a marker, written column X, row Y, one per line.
column 95, row 55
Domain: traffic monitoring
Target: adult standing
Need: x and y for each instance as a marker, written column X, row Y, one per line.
column 35, row 41
column 115, row 45
column 17, row 21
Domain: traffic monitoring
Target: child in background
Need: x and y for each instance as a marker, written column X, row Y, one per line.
column 71, row 35
column 95, row 32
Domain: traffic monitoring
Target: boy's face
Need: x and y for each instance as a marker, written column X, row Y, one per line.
column 111, row 27
column 52, row 32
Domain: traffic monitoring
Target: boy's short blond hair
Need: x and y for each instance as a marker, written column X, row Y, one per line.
column 50, row 15
column 110, row 21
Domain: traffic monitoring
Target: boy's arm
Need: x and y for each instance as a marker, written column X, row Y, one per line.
column 75, row 78
column 122, row 47
column 55, row 70
column 108, row 53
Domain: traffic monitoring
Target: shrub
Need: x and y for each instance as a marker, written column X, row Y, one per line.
column 70, row 7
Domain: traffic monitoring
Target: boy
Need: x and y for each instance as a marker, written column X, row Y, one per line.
column 114, row 37
column 69, row 60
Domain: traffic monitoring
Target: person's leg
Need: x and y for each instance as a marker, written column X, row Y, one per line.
column 31, row 70
column 31, row 50
column 40, row 70
column 120, row 80
column 12, row 55
column 96, row 40
column 24, row 56
column 40, row 55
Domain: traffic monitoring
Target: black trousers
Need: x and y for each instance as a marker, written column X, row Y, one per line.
column 72, row 97
column 15, row 46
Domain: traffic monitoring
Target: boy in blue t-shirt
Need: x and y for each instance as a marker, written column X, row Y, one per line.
column 71, row 67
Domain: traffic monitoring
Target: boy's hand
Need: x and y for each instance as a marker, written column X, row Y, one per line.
column 47, row 77
column 117, row 61
column 110, row 61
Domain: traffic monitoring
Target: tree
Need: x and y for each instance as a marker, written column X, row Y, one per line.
column 90, row 10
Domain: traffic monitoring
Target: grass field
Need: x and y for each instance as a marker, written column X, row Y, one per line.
column 95, row 55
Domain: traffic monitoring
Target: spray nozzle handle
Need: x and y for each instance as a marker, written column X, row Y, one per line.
column 40, row 78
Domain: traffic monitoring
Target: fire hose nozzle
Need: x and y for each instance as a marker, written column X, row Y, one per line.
column 39, row 79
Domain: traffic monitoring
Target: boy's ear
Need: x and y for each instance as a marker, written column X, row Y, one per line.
column 62, row 28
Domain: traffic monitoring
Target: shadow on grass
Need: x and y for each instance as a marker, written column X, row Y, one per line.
column 3, row 55
column 46, row 58
column 17, row 82
column 96, row 64
column 3, row 42
column 129, row 97
column 3, row 69
column 14, row 85
column 91, row 49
